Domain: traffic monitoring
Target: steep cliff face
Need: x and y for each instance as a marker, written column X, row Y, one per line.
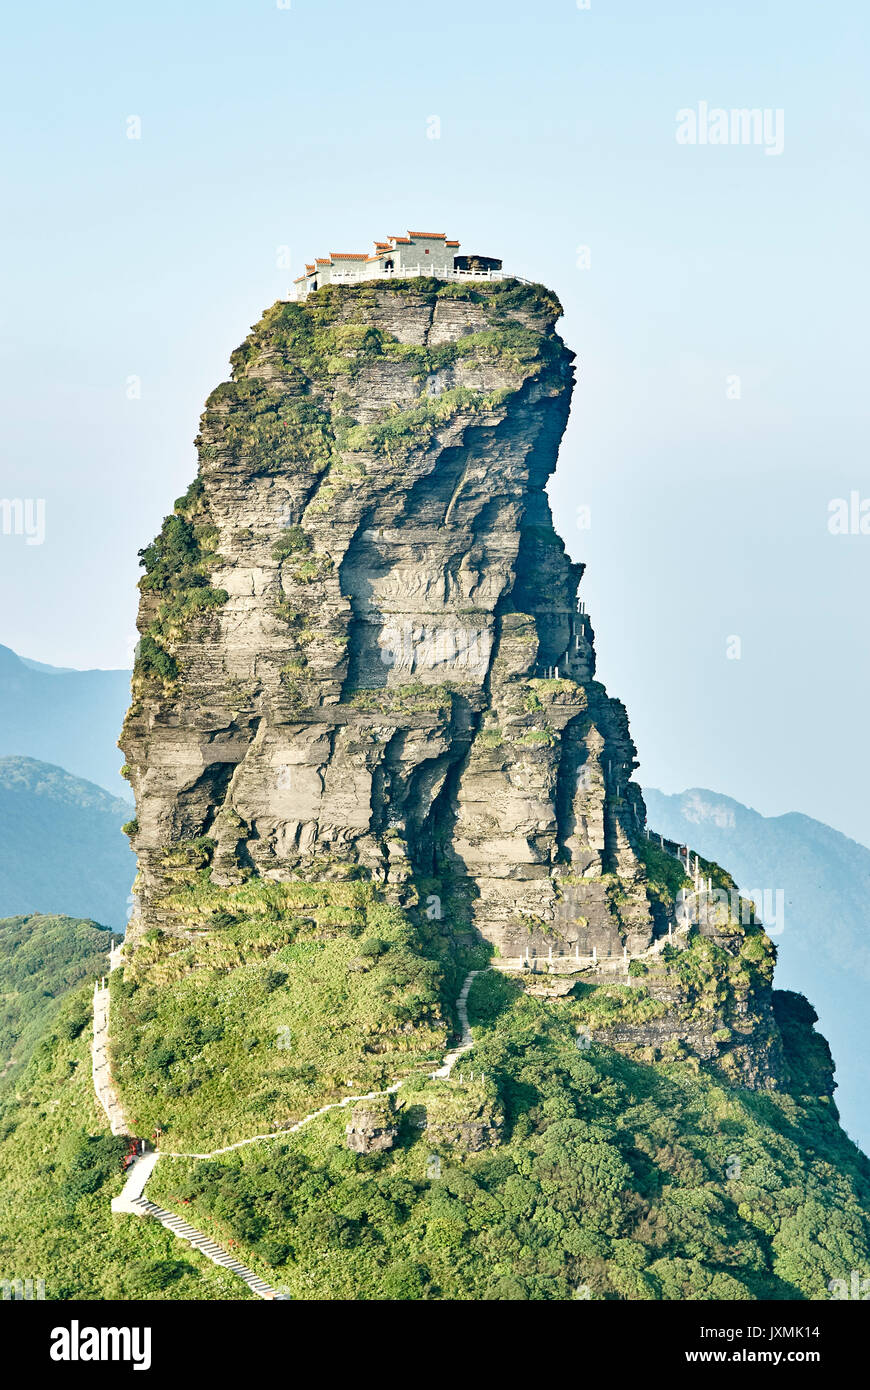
column 371, row 760
column 366, row 673
column 362, row 649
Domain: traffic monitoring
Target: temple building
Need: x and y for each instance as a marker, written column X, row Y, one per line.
column 418, row 253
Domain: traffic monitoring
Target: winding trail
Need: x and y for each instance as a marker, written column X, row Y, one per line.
column 132, row 1199
column 465, row 1042
column 291, row 1129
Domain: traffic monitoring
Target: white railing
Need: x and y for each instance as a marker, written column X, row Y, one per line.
column 406, row 272
column 572, row 959
column 681, row 853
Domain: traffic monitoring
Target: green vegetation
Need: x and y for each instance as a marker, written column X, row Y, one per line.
column 611, row 1180
column 536, row 738
column 195, row 853
column 273, row 429
column 59, row 1169
column 405, row 429
column 665, row 875
column 509, row 346
column 308, row 339
column 608, row 1003
column 706, row 969
column 553, row 687
column 412, row 698
column 178, row 565
column 289, row 995
column 41, row 959
column 312, row 569
column 293, row 541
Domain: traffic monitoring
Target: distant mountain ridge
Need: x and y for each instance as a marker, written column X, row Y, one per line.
column 61, row 846
column 42, row 958
column 824, row 948
column 68, row 718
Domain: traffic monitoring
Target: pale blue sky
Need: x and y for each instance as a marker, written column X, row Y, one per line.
column 263, row 127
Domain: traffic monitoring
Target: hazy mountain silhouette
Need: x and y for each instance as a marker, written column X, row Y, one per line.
column 70, row 718
column 61, row 846
column 824, row 947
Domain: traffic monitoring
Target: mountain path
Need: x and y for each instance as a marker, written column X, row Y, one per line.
column 466, row 1041
column 104, row 1086
column 132, row 1199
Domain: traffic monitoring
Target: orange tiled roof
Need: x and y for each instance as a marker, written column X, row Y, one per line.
column 382, row 248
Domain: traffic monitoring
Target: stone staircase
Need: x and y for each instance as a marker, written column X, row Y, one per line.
column 132, row 1197
column 466, row 1041
column 103, row 1085
column 141, row 1206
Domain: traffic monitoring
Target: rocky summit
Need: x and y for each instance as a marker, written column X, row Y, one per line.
column 411, row 1005
column 383, row 662
column 363, row 654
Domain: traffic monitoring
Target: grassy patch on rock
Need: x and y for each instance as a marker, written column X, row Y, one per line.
column 284, row 996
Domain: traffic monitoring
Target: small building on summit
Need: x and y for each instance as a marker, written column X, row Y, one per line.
column 418, row 253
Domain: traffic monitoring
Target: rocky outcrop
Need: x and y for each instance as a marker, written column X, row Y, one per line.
column 372, row 1127
column 464, row 1116
column 361, row 635
column 362, row 648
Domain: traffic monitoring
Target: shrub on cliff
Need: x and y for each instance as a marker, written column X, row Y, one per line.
column 178, row 565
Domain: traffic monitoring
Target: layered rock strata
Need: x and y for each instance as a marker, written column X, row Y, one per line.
column 362, row 647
